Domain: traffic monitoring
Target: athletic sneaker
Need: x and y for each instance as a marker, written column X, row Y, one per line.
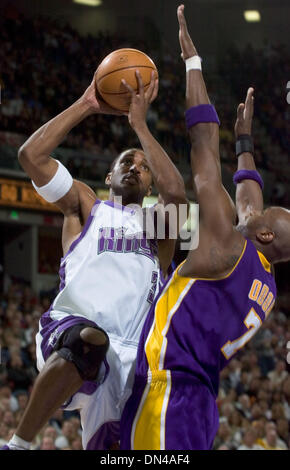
column 7, row 447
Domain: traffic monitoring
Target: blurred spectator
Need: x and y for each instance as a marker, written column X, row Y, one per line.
column 51, row 432
column 77, row 443
column 236, row 423
column 7, row 400
column 47, row 443
column 18, row 376
column 8, row 418
column 243, row 383
column 249, row 439
column 283, row 430
column 259, row 426
column 279, row 374
column 270, row 442
column 244, row 405
column 67, row 436
column 277, row 411
column 227, row 409
column 265, row 351
column 224, row 435
column 3, row 432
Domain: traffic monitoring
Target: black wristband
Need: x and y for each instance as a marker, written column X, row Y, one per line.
column 244, row 143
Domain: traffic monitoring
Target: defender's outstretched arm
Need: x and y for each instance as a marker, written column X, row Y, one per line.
column 217, row 211
column 249, row 195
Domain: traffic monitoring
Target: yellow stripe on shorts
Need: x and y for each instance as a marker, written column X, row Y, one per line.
column 148, row 431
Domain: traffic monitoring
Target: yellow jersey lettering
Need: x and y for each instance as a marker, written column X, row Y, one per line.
column 260, row 294
column 255, row 289
column 263, row 294
column 269, row 309
column 268, row 302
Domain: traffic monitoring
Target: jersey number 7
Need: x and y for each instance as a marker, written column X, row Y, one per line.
column 253, row 323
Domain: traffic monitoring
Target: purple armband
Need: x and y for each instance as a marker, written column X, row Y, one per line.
column 248, row 175
column 201, row 113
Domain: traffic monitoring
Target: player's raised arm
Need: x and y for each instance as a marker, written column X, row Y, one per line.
column 167, row 178
column 216, row 207
column 51, row 178
column 168, row 181
column 249, row 196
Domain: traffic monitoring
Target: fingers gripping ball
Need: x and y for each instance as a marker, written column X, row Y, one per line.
column 122, row 64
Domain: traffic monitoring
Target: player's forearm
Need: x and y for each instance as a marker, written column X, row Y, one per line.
column 246, row 161
column 204, row 136
column 40, row 145
column 196, row 94
column 167, row 178
column 249, row 195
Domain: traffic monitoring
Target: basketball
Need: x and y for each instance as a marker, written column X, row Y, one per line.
column 122, row 64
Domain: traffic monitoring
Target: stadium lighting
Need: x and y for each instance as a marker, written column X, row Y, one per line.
column 252, row 16
column 90, row 3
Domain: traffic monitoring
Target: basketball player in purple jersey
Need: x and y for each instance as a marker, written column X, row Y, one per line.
column 217, row 299
column 87, row 341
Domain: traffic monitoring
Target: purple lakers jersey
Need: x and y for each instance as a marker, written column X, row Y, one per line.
column 193, row 329
column 197, row 325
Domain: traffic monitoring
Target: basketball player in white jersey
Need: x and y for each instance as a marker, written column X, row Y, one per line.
column 87, row 341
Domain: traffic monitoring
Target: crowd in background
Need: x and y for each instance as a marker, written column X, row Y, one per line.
column 20, row 310
column 57, row 64
column 254, row 395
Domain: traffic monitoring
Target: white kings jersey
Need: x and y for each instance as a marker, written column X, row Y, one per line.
column 110, row 275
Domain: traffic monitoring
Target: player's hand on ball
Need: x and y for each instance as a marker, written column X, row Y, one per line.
column 245, row 113
column 95, row 102
column 140, row 100
column 187, row 47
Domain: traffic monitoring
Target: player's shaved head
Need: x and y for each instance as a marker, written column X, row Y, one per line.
column 278, row 219
column 270, row 232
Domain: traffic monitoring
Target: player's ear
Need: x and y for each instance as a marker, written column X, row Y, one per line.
column 108, row 179
column 149, row 191
column 265, row 236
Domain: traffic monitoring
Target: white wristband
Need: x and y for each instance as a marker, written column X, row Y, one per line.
column 58, row 186
column 193, row 63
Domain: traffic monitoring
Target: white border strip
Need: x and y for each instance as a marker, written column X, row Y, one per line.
column 164, row 409
column 140, row 408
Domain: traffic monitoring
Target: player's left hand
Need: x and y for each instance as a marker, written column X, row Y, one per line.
column 245, row 113
column 96, row 104
column 187, row 47
column 141, row 99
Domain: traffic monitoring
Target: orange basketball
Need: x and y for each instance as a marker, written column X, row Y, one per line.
column 120, row 64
